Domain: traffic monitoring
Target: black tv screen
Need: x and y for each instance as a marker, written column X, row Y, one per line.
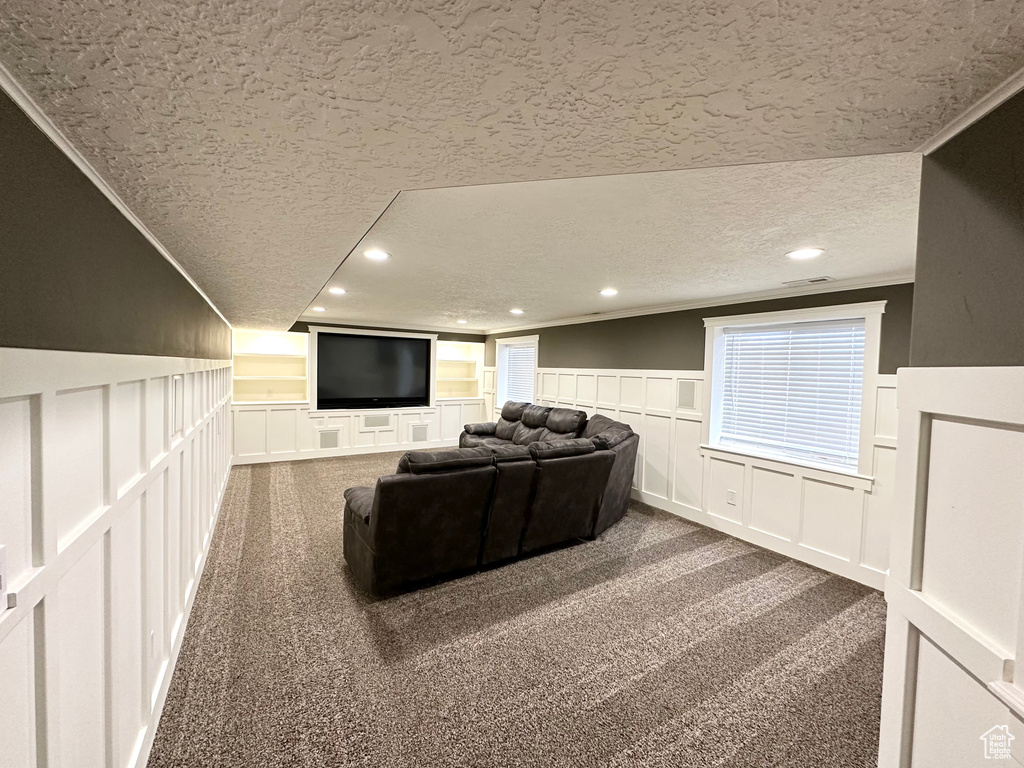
column 355, row 371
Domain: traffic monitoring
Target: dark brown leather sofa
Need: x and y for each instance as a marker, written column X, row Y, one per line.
column 451, row 511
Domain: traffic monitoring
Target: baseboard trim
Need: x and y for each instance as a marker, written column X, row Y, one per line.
column 816, row 558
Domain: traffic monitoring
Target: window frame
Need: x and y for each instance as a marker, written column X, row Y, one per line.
column 499, row 385
column 714, row 352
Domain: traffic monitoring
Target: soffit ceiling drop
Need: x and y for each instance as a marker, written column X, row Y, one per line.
column 549, row 247
column 258, row 142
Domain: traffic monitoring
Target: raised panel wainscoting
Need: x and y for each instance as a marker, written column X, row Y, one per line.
column 286, row 432
column 112, row 469
column 954, row 654
column 831, row 520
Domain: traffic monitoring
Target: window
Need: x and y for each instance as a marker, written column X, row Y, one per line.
column 517, row 369
column 793, row 388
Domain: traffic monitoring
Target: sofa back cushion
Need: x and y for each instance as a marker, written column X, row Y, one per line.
column 426, row 462
column 511, row 414
column 561, row 448
column 606, row 433
column 566, row 421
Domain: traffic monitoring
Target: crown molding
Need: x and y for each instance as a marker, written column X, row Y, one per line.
column 1010, row 87
column 20, row 97
column 376, row 326
column 839, row 285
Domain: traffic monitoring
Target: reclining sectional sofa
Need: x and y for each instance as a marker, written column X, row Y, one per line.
column 536, row 478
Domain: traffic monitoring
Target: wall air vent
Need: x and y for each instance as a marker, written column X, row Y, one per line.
column 329, row 439
column 419, row 433
column 808, row 281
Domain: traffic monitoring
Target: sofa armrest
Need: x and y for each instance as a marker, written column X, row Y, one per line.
column 486, row 429
column 359, row 502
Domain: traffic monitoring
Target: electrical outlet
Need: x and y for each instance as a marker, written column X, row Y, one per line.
column 3, row 578
column 730, row 498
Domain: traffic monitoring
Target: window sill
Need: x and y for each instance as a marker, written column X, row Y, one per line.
column 827, row 474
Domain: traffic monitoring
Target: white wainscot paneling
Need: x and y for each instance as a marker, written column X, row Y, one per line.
column 78, row 489
column 657, row 433
column 17, row 418
column 81, row 659
column 688, row 480
column 126, row 433
column 954, row 659
column 831, row 518
column 17, row 681
column 566, row 386
column 774, row 502
column 632, row 389
column 974, row 534
column 833, row 521
column 725, row 489
column 286, row 432
column 659, row 394
column 282, row 432
column 953, row 712
column 112, row 477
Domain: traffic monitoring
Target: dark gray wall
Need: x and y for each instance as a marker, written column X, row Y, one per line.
column 969, row 299
column 675, row 340
column 303, row 327
column 77, row 275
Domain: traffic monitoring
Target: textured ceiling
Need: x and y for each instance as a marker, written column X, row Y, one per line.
column 258, row 141
column 549, row 247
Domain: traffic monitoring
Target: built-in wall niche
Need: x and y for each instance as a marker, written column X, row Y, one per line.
column 270, row 367
column 459, row 369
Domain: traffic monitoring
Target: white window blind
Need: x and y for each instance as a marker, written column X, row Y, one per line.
column 517, row 372
column 794, row 390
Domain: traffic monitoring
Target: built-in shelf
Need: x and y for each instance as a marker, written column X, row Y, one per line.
column 458, row 369
column 269, row 367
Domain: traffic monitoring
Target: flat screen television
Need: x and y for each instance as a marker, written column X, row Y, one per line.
column 357, row 371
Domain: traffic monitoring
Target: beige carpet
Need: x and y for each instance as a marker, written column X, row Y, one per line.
column 661, row 644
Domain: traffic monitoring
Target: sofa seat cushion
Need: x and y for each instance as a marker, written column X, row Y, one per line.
column 561, row 449
column 359, row 501
column 503, row 453
column 476, row 441
column 424, row 462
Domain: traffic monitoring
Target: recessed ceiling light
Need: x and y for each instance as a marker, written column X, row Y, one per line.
column 609, row 292
column 461, row 322
column 319, row 309
column 377, row 255
column 338, row 291
column 802, row 254
column 516, row 311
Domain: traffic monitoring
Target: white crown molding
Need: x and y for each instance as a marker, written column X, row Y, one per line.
column 838, row 285
column 312, row 320
column 1002, row 92
column 20, row 97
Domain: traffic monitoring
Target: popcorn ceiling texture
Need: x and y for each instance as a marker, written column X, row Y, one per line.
column 258, row 141
column 699, row 235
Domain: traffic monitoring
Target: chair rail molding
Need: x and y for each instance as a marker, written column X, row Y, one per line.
column 113, row 468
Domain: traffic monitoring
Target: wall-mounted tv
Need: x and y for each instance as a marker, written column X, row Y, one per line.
column 360, row 371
